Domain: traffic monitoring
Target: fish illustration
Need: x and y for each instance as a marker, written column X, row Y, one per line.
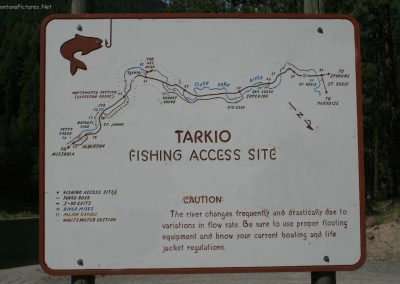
column 82, row 44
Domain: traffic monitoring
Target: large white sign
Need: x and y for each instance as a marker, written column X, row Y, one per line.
column 223, row 143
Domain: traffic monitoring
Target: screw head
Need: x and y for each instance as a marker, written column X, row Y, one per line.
column 326, row 258
column 80, row 261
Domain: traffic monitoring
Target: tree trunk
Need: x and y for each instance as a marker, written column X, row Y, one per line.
column 375, row 188
column 78, row 6
column 314, row 6
column 392, row 101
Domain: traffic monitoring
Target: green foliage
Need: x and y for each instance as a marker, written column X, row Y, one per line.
column 19, row 83
column 19, row 103
column 19, row 89
column 197, row 6
column 137, row 6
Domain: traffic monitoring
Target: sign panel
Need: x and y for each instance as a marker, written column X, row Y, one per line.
column 176, row 143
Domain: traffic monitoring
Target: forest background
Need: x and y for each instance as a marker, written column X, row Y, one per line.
column 19, row 84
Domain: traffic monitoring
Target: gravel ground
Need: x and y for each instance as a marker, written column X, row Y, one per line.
column 373, row 272
column 382, row 267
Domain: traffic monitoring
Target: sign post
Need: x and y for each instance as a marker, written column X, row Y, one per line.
column 83, row 279
column 200, row 144
column 324, row 277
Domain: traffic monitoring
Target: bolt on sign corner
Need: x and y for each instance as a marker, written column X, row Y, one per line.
column 181, row 143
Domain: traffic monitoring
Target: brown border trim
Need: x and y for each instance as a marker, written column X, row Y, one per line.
column 49, row 270
column 361, row 175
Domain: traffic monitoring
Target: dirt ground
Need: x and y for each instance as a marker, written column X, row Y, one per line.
column 382, row 265
column 383, row 236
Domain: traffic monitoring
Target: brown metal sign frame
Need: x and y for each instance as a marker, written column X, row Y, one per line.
column 198, row 269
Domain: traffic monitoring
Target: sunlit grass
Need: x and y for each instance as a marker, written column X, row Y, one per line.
column 4, row 215
column 387, row 212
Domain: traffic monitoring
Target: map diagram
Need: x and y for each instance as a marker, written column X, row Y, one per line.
column 147, row 72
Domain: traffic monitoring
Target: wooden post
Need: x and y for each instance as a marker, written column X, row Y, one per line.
column 83, row 279
column 323, row 277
